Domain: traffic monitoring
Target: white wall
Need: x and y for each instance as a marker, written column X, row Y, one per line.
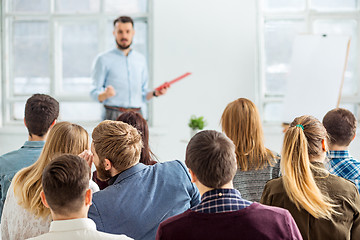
column 216, row 41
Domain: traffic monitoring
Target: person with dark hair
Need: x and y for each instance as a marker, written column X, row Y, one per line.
column 146, row 157
column 65, row 184
column 341, row 126
column 223, row 213
column 139, row 196
column 41, row 112
column 120, row 76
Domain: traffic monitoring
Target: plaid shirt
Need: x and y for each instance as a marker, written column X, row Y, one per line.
column 343, row 165
column 221, row 200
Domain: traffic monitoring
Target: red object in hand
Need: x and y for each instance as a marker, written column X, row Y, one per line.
column 168, row 84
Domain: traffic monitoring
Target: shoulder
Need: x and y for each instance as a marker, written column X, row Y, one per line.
column 175, row 220
column 176, row 167
column 339, row 186
column 104, row 56
column 274, row 186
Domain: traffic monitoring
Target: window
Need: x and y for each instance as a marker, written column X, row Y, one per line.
column 280, row 21
column 50, row 45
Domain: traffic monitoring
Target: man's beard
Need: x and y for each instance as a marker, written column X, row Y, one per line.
column 123, row 47
column 102, row 174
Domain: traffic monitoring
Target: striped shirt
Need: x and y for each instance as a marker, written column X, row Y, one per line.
column 343, row 165
column 221, row 200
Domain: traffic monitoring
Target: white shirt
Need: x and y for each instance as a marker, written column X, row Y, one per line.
column 81, row 228
column 19, row 223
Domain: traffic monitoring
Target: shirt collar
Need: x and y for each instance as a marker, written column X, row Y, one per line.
column 121, row 52
column 338, row 154
column 221, row 192
column 34, row 144
column 72, row 225
column 128, row 172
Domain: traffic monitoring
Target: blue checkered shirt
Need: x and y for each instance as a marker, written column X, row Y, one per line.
column 221, row 200
column 343, row 165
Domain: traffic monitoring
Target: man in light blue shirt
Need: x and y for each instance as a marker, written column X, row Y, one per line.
column 139, row 196
column 41, row 112
column 120, row 76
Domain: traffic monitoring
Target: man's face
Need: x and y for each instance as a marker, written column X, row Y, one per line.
column 102, row 173
column 123, row 33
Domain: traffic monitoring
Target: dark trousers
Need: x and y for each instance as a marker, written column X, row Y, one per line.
column 113, row 114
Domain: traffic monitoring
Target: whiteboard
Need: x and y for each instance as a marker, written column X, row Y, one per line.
column 315, row 77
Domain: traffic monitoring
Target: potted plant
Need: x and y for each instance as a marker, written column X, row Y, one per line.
column 196, row 124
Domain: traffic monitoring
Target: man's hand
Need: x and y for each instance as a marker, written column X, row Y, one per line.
column 108, row 93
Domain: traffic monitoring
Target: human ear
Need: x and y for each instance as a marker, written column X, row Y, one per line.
column 43, row 199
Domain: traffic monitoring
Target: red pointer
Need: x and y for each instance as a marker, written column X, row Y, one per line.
column 168, row 84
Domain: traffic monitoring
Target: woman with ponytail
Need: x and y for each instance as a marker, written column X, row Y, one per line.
column 323, row 205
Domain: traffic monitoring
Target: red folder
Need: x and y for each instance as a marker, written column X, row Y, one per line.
column 168, row 84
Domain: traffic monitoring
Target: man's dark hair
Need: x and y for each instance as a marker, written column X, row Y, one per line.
column 341, row 125
column 65, row 181
column 124, row 19
column 210, row 155
column 40, row 112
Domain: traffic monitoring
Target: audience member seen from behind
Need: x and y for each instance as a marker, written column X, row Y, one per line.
column 41, row 112
column 24, row 215
column 223, row 213
column 139, row 196
column 323, row 205
column 65, row 183
column 241, row 122
column 146, row 157
column 341, row 127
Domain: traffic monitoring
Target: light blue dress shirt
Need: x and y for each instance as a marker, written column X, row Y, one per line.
column 12, row 162
column 142, row 197
column 127, row 74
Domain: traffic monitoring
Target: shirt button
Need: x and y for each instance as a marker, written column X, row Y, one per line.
column 220, row 194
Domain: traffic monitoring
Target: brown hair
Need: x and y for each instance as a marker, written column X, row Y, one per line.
column 137, row 121
column 124, row 19
column 40, row 112
column 241, row 123
column 302, row 143
column 211, row 156
column 341, row 126
column 65, row 181
column 118, row 142
column 64, row 137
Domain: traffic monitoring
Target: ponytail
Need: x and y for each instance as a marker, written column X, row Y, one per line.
column 300, row 186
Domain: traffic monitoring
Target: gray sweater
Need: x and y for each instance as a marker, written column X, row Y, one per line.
column 251, row 183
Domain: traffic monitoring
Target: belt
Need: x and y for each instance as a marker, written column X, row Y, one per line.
column 121, row 109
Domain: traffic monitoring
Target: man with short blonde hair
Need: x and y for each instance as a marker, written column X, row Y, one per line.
column 139, row 196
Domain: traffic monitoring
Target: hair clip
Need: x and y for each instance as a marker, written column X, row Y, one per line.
column 300, row 126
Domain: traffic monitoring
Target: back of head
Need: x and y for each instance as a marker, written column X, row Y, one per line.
column 40, row 112
column 64, row 137
column 242, row 124
column 211, row 157
column 118, row 142
column 124, row 19
column 341, row 126
column 65, row 181
column 137, row 121
column 303, row 142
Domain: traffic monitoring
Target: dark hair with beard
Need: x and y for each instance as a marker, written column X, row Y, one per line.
column 124, row 19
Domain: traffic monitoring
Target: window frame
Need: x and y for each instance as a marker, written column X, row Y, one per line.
column 309, row 16
column 55, row 19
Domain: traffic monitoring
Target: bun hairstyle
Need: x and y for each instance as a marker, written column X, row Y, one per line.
column 303, row 142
